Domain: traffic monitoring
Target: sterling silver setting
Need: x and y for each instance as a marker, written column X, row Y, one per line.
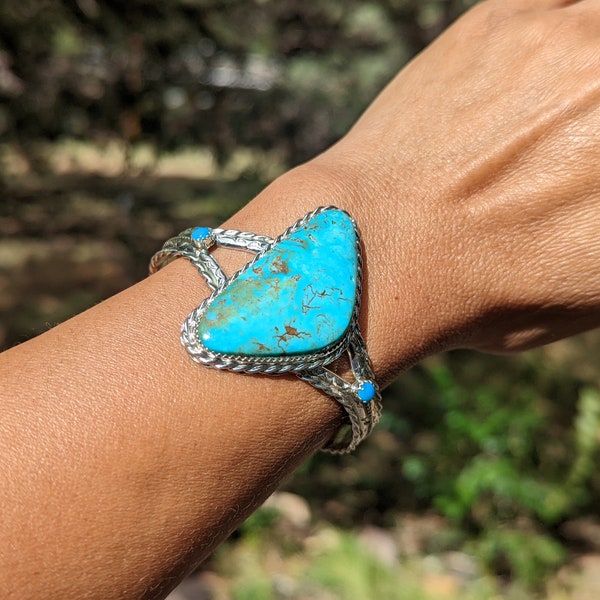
column 362, row 414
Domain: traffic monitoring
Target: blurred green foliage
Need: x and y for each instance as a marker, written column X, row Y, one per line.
column 351, row 572
column 287, row 75
column 504, row 447
column 324, row 562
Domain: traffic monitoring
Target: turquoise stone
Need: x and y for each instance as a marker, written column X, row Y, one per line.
column 297, row 298
column 366, row 392
column 200, row 233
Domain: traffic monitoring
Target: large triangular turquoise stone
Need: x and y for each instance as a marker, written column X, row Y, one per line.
column 297, row 298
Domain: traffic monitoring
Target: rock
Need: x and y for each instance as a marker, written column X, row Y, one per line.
column 584, row 531
column 415, row 533
column 461, row 565
column 201, row 586
column 292, row 508
column 381, row 544
column 581, row 579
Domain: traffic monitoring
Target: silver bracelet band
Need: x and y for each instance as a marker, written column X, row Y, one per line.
column 293, row 308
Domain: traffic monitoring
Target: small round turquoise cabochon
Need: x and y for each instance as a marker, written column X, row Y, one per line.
column 366, row 392
column 200, row 233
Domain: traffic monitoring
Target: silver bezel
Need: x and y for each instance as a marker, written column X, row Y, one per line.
column 271, row 364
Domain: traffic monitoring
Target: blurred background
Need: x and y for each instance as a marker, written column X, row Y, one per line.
column 122, row 123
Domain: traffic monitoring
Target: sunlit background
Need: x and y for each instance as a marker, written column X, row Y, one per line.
column 122, row 123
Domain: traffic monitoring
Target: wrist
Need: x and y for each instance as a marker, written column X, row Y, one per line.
column 404, row 315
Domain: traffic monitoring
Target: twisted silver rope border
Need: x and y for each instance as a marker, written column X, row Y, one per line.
column 183, row 246
column 362, row 415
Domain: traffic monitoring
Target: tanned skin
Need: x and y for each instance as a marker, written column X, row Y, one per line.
column 474, row 181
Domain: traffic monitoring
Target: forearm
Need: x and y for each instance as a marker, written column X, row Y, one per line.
column 473, row 181
column 123, row 462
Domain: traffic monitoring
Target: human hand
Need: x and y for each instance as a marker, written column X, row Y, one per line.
column 475, row 174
